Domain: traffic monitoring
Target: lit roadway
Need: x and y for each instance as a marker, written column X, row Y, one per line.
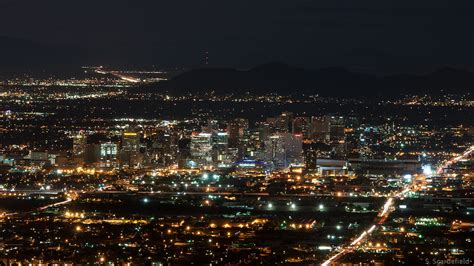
column 119, row 75
column 385, row 212
column 56, row 204
column 455, row 160
column 381, row 217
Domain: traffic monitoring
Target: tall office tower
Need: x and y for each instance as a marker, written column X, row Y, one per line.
column 337, row 135
column 231, row 156
column 91, row 154
column 184, row 153
column 201, row 149
column 284, row 122
column 265, row 130
column 236, row 129
column 221, row 155
column 108, row 155
column 220, row 140
column 329, row 129
column 220, row 143
column 314, row 150
column 211, row 126
column 352, row 122
column 253, row 144
column 130, row 141
column 283, row 149
column 301, row 126
column 163, row 148
column 319, row 128
column 336, row 129
column 270, row 123
column 130, row 152
column 79, row 142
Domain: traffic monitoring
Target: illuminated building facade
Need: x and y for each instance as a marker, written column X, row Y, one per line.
column 201, row 149
column 283, row 149
column 108, row 155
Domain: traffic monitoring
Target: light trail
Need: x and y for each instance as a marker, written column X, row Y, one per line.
column 129, row 79
column 386, row 207
column 38, row 209
column 117, row 74
column 386, row 210
column 455, row 160
column 371, row 229
column 333, row 258
column 55, row 204
column 357, row 240
column 383, row 214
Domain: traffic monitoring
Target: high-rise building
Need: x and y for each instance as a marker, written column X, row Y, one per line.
column 79, row 142
column 108, row 154
column 314, row 150
column 220, row 145
column 130, row 141
column 211, row 126
column 236, row 129
column 284, row 122
column 329, row 129
column 283, row 149
column 253, row 143
column 337, row 135
column 201, row 149
column 184, row 153
column 301, row 126
column 130, row 151
column 336, row 128
column 163, row 150
column 220, row 140
column 319, row 129
column 91, row 154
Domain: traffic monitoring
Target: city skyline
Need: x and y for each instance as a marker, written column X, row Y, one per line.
column 332, row 133
column 230, row 178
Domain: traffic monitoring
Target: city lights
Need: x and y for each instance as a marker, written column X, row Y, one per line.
column 105, row 168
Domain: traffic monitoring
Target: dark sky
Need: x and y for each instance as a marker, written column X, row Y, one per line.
column 379, row 35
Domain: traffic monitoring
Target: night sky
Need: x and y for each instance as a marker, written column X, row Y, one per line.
column 368, row 36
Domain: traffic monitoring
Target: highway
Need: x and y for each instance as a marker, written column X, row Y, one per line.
column 30, row 192
column 119, row 75
column 385, row 212
column 382, row 216
column 56, row 204
column 455, row 160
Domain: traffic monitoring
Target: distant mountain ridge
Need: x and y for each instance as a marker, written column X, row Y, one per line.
column 284, row 79
column 22, row 56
